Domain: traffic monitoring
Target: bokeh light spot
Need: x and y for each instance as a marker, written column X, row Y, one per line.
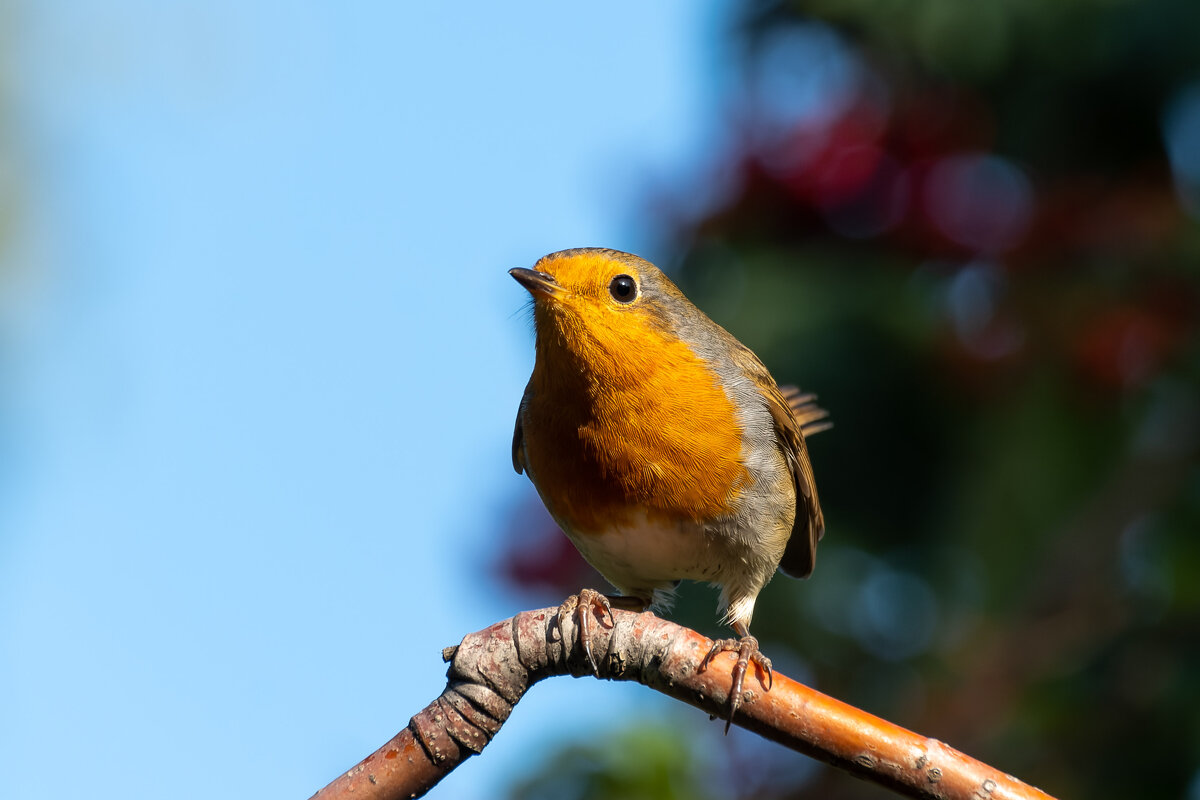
column 805, row 75
column 982, row 202
column 1181, row 129
column 896, row 614
column 971, row 298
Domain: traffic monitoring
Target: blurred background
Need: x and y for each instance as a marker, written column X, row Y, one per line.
column 259, row 363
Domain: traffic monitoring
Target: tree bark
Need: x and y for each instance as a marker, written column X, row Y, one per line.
column 492, row 669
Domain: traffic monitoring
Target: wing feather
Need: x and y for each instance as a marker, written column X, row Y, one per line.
column 518, row 442
column 795, row 415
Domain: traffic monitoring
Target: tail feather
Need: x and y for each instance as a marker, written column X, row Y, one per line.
column 810, row 416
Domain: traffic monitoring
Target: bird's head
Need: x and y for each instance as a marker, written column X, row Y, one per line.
column 600, row 304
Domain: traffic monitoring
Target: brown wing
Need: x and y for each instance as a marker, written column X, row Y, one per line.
column 518, row 443
column 795, row 415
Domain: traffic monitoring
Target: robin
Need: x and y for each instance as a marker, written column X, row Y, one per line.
column 662, row 446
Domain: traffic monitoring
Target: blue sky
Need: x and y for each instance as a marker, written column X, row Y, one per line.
column 261, row 361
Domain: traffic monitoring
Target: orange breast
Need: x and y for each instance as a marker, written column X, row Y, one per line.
column 623, row 419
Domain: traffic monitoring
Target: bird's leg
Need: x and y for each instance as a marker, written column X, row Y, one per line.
column 628, row 603
column 747, row 652
column 588, row 601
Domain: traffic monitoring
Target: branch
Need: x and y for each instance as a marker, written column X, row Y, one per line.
column 492, row 669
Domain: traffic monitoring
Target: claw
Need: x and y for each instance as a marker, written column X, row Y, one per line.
column 581, row 604
column 747, row 653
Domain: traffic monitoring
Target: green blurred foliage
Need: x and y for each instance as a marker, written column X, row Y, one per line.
column 649, row 762
column 971, row 228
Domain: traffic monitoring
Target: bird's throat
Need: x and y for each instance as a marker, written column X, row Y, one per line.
column 630, row 423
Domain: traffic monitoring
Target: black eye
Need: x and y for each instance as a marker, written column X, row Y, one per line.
column 623, row 289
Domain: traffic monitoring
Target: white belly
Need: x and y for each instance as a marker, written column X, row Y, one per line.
column 644, row 556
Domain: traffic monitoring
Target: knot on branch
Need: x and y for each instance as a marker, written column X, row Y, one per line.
column 465, row 717
column 485, row 680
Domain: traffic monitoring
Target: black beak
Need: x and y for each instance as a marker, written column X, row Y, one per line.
column 539, row 284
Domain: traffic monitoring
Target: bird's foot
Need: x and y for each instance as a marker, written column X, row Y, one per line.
column 747, row 654
column 583, row 606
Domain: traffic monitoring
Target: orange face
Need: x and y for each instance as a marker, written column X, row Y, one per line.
column 628, row 415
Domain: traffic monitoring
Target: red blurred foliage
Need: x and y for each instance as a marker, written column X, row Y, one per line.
column 878, row 157
column 1125, row 345
column 941, row 120
column 1122, row 346
column 831, row 165
column 539, row 558
column 1084, row 215
column 912, row 174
